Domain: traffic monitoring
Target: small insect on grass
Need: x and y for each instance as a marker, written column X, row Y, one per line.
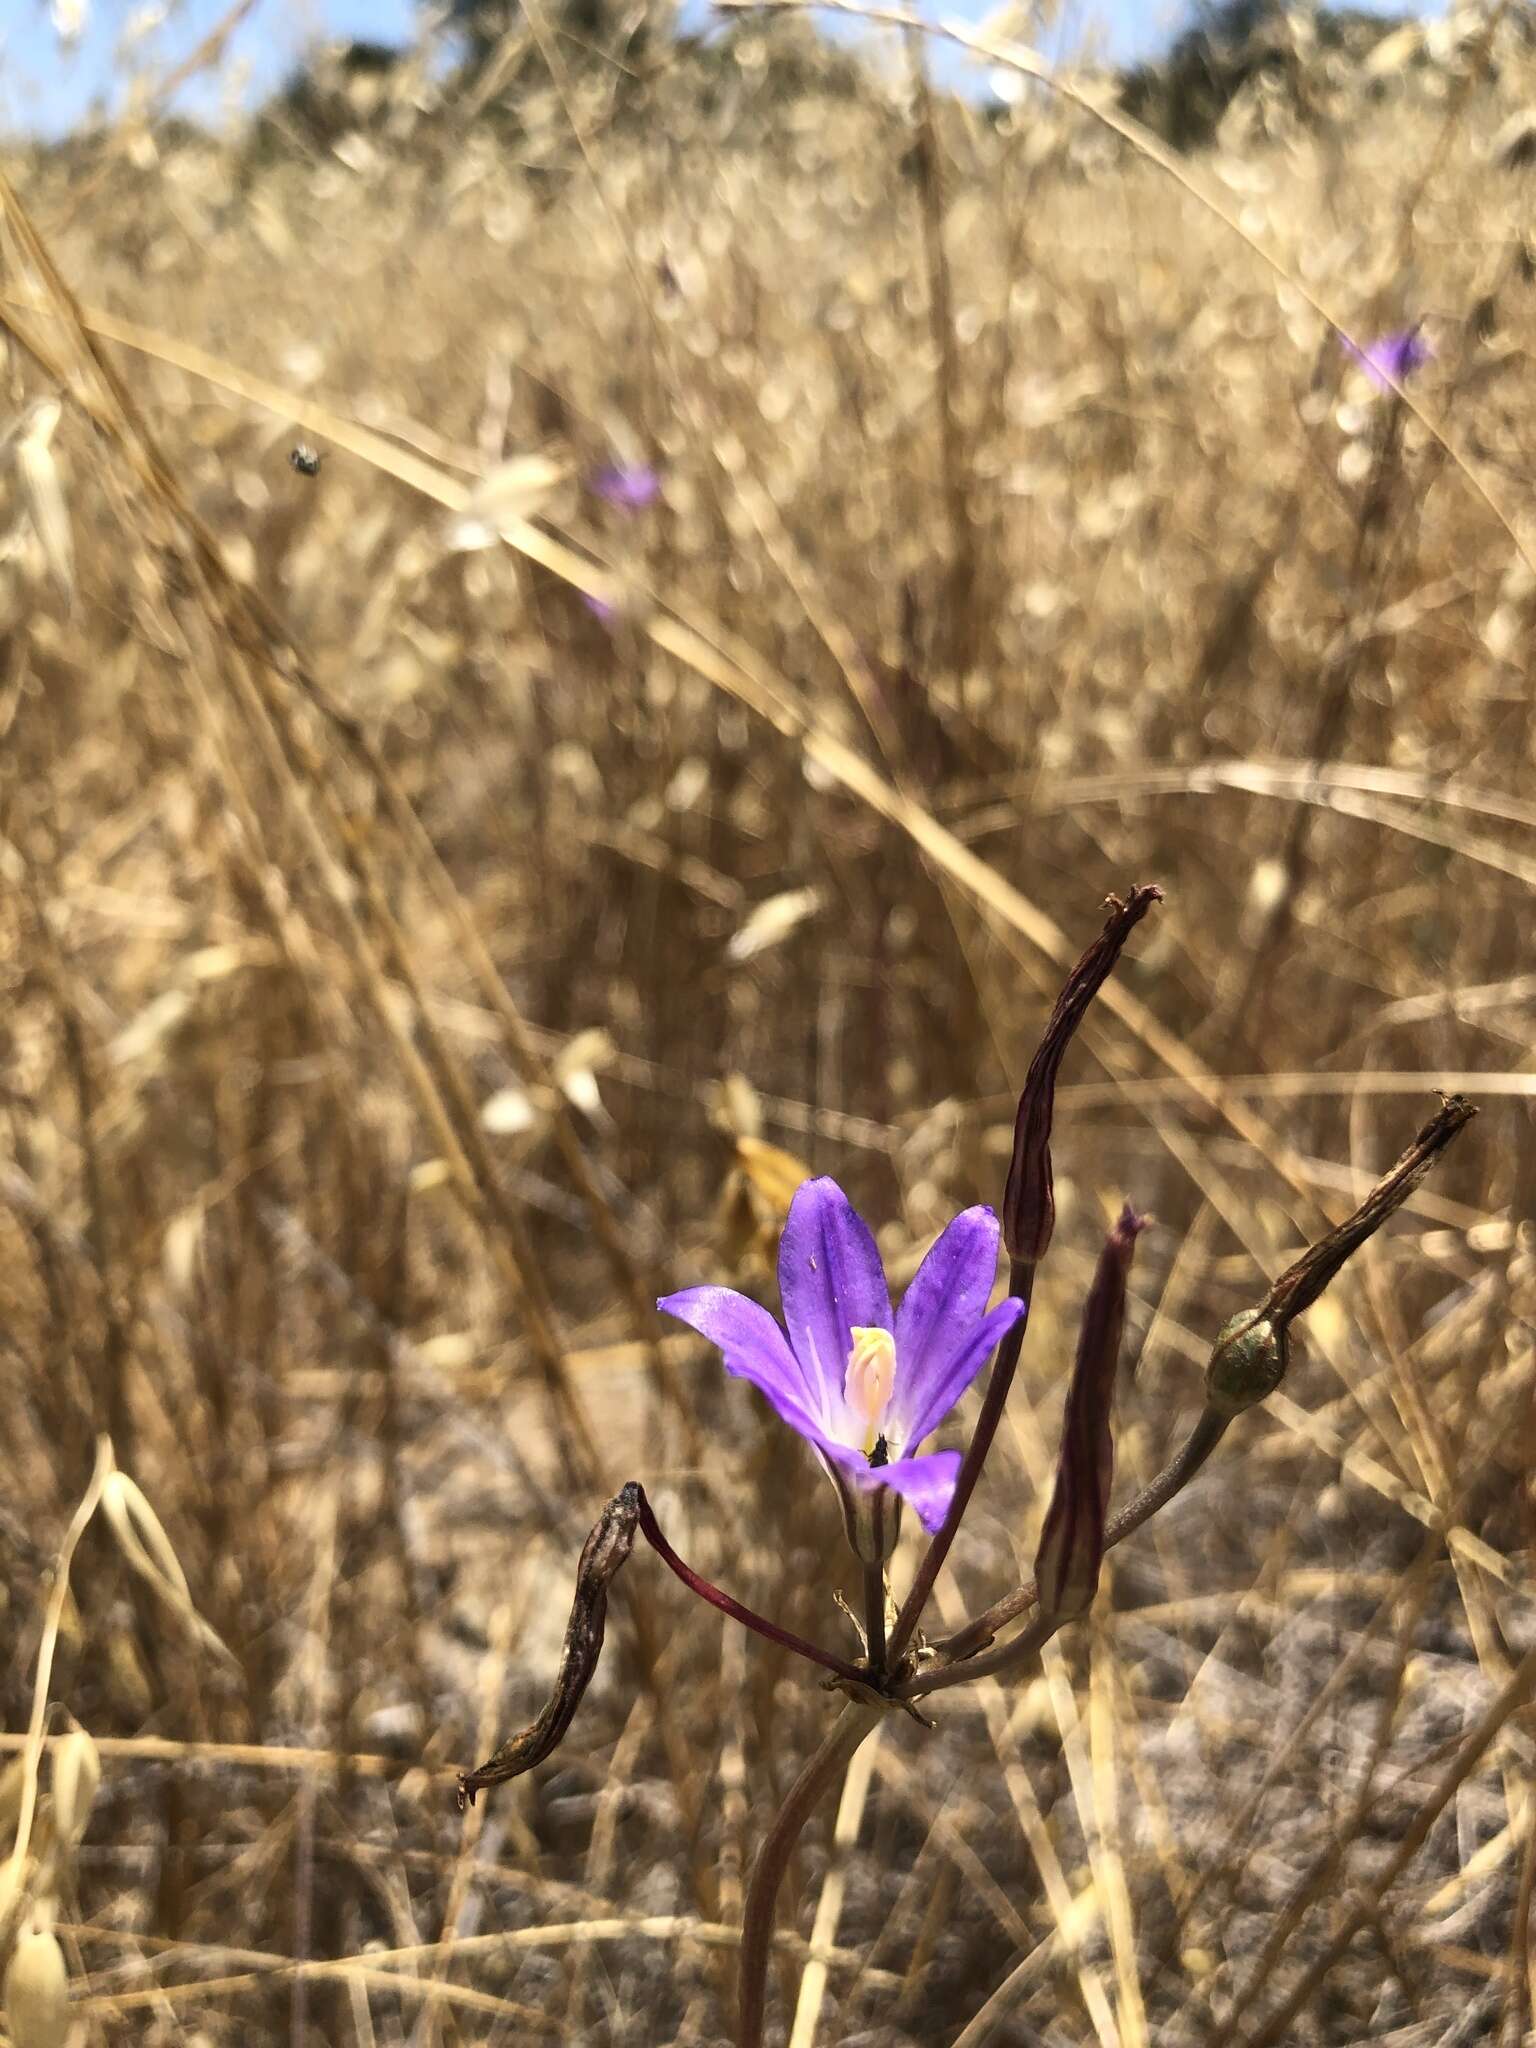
column 305, row 459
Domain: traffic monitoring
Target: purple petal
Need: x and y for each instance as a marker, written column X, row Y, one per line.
column 1391, row 356
column 927, row 1482
column 947, row 1298
column 753, row 1347
column 952, row 1368
column 600, row 608
column 631, row 490
column 831, row 1282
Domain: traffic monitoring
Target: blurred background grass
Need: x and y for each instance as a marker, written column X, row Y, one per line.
column 411, row 969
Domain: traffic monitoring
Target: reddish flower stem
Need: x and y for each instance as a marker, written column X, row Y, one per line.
column 805, row 1795
column 786, row 1639
column 1021, row 1281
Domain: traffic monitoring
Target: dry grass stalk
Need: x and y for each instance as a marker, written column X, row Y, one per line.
column 322, row 837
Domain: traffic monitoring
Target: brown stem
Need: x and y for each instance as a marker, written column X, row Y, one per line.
column 1207, row 1433
column 1008, row 1657
column 1516, row 1693
column 805, row 1795
column 1155, row 1495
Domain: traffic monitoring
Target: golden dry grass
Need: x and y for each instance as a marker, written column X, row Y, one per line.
column 320, row 833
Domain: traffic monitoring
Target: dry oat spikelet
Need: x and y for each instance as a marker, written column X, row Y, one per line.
column 42, row 490
column 11, row 1781
column 37, row 1992
column 76, row 1776
column 142, row 1539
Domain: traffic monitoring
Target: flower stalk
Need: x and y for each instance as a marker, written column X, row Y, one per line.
column 815, row 1781
column 1029, row 1221
column 865, row 1387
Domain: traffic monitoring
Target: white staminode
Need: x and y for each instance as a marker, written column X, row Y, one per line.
column 869, row 1378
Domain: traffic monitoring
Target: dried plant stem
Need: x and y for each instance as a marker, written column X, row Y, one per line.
column 1318, row 1881
column 1010, row 1656
column 1510, row 1699
column 960, row 625
column 1013, row 56
column 978, row 1634
column 1303, row 1281
column 52, row 1618
column 805, row 1795
column 834, row 1884
column 730, row 666
column 1518, row 1996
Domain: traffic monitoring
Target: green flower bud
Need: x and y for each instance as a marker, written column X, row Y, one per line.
column 1248, row 1362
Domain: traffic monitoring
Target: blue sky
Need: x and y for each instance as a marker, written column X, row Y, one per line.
column 46, row 88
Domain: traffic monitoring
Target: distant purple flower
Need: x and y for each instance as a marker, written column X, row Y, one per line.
column 1391, row 356
column 864, row 1388
column 628, row 490
column 606, row 614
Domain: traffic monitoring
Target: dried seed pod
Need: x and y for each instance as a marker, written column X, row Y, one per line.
column 605, row 1551
column 1250, row 1355
column 76, row 1775
column 1029, row 1204
column 37, row 1992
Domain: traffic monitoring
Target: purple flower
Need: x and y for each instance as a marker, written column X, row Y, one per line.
column 1392, row 357
column 630, row 490
column 862, row 1387
column 606, row 614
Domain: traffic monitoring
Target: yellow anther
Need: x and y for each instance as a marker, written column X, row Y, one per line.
column 870, row 1376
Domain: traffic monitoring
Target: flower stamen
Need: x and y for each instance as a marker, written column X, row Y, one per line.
column 869, row 1378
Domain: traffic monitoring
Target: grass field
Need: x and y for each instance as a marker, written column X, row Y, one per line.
column 446, row 906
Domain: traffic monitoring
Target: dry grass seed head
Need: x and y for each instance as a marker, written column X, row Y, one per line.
column 37, row 1991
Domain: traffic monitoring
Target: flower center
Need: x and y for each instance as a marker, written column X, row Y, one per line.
column 869, row 1378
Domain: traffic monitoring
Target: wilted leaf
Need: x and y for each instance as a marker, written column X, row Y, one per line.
column 773, row 1174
